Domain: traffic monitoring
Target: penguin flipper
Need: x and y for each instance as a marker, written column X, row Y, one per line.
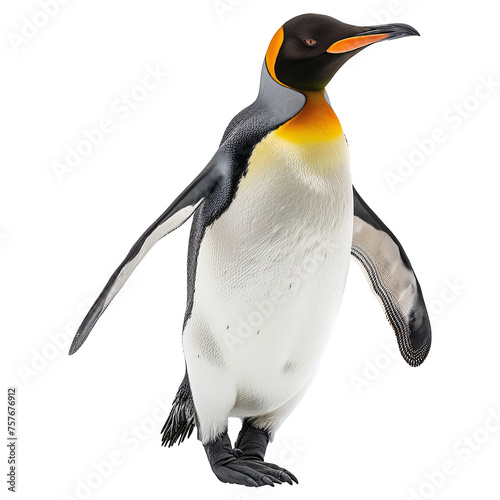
column 393, row 281
column 175, row 215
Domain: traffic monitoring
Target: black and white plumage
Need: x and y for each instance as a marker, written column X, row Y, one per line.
column 276, row 197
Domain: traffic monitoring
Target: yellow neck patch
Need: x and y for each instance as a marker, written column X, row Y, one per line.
column 316, row 122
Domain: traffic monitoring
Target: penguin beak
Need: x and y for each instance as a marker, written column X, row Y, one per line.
column 370, row 35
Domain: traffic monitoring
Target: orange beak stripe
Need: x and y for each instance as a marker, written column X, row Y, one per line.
column 356, row 42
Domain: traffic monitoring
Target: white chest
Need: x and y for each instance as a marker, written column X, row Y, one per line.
column 272, row 268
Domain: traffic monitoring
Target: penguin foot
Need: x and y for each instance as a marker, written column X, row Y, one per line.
column 248, row 472
column 277, row 474
column 233, row 466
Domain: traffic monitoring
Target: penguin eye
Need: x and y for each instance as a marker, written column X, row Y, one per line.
column 311, row 42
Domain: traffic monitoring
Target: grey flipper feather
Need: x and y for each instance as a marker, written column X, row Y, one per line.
column 393, row 281
column 175, row 215
column 274, row 106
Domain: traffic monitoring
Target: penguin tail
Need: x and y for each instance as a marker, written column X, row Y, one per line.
column 182, row 418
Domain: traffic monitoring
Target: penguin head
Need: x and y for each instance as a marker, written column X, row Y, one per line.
column 308, row 50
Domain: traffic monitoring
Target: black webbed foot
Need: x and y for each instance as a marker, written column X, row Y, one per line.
column 245, row 463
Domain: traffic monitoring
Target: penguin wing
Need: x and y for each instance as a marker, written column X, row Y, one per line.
column 393, row 281
column 212, row 191
column 175, row 215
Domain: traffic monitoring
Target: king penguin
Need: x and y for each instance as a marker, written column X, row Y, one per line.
column 275, row 221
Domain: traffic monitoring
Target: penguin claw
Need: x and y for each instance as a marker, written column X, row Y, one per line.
column 279, row 473
column 252, row 473
column 268, row 481
column 275, row 471
column 239, row 473
column 287, row 478
column 251, row 482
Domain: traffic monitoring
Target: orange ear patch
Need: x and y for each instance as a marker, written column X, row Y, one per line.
column 356, row 42
column 272, row 52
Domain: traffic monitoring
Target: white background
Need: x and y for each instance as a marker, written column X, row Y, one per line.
column 62, row 239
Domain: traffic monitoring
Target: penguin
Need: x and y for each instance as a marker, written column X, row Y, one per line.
column 276, row 221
